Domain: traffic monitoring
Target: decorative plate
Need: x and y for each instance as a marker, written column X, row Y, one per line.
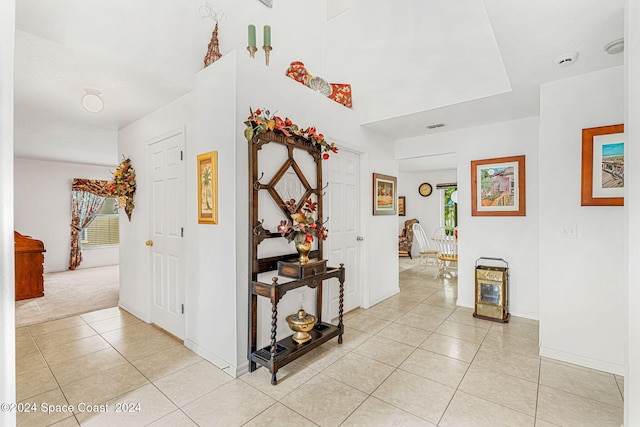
column 321, row 85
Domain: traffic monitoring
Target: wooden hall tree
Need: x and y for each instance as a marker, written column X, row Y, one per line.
column 296, row 167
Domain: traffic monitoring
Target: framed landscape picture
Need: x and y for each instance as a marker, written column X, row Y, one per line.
column 401, row 204
column 208, row 188
column 384, row 194
column 498, row 187
column 602, row 181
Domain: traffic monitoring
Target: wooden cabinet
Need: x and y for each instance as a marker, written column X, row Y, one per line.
column 29, row 267
column 287, row 183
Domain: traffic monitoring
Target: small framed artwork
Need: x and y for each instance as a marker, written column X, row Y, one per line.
column 208, row 188
column 384, row 194
column 401, row 202
column 498, row 187
column 603, row 166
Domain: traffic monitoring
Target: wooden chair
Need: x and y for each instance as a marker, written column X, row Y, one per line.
column 405, row 240
column 426, row 251
column 446, row 241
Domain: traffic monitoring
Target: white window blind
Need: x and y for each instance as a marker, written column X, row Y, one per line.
column 105, row 228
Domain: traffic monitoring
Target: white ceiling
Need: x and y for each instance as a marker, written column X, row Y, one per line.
column 410, row 63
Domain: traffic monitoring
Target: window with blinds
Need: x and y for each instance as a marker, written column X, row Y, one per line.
column 105, row 228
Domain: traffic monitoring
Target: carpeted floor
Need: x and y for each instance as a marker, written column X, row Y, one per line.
column 68, row 293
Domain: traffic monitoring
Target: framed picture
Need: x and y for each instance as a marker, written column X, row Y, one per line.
column 208, row 188
column 603, row 166
column 498, row 187
column 401, row 202
column 384, row 194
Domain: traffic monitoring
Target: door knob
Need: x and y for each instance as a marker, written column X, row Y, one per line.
column 359, row 238
column 149, row 243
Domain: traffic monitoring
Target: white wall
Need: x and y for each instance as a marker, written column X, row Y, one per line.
column 632, row 213
column 132, row 143
column 213, row 297
column 514, row 239
column 217, row 255
column 426, row 209
column 381, row 235
column 582, row 279
column 7, row 287
column 43, row 209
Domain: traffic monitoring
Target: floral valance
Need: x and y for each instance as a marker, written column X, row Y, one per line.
column 123, row 186
column 99, row 187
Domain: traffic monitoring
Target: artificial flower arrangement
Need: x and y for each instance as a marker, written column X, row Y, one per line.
column 305, row 227
column 259, row 122
column 124, row 186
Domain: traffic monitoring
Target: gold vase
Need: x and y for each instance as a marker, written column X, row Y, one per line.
column 303, row 251
column 301, row 323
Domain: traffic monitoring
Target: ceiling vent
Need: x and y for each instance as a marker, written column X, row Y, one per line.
column 614, row 47
column 435, row 126
column 566, row 59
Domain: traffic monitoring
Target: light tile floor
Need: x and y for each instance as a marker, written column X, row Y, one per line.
column 413, row 360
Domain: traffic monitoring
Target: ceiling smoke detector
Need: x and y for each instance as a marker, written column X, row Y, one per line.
column 614, row 47
column 435, row 126
column 566, row 59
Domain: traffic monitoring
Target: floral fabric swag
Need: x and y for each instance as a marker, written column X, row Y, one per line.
column 88, row 197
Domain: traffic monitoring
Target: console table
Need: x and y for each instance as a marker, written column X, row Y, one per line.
column 279, row 353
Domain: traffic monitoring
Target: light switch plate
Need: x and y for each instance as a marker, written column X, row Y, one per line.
column 568, row 231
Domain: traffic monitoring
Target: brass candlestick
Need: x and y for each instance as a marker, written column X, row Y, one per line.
column 252, row 51
column 267, row 50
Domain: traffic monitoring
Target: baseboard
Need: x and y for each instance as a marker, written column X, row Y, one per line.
column 466, row 304
column 526, row 315
column 586, row 362
column 140, row 315
column 522, row 314
column 382, row 298
column 234, row 371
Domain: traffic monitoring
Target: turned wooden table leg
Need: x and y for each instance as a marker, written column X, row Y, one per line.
column 274, row 327
column 341, row 304
column 253, row 331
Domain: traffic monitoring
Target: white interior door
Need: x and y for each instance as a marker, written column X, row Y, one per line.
column 166, row 232
column 343, row 195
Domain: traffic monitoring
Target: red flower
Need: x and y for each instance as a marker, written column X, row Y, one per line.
column 280, row 126
column 311, row 131
column 310, row 206
column 284, row 227
column 320, row 137
column 322, row 233
column 308, row 238
column 288, row 122
column 325, row 156
column 257, row 112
